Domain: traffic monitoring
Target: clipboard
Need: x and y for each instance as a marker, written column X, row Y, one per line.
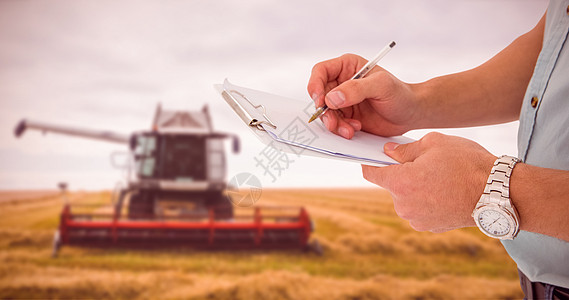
column 282, row 123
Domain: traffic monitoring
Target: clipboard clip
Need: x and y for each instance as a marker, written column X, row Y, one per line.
column 243, row 113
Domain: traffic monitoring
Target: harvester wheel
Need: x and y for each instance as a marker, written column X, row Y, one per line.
column 315, row 246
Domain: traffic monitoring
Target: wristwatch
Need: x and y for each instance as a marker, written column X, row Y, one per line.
column 494, row 213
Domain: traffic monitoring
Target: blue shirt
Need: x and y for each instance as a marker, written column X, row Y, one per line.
column 543, row 140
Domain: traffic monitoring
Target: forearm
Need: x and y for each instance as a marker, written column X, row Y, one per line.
column 541, row 197
column 489, row 94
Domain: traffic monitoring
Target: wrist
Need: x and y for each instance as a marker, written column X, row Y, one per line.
column 422, row 99
column 525, row 186
column 477, row 176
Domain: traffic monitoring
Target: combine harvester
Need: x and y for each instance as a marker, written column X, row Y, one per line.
column 177, row 195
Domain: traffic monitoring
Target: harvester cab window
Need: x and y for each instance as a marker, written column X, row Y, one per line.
column 144, row 153
column 182, row 158
column 215, row 159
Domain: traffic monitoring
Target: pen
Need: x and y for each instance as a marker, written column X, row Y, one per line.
column 361, row 73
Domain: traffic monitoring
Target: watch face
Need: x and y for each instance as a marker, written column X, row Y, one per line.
column 494, row 222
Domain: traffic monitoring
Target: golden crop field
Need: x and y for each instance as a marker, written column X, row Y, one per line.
column 369, row 253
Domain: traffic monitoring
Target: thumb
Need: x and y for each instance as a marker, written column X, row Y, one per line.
column 352, row 92
column 403, row 152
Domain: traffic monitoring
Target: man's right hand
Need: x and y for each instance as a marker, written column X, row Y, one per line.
column 378, row 103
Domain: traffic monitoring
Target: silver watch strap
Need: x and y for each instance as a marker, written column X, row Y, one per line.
column 498, row 183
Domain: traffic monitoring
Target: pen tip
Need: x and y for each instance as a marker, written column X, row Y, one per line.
column 312, row 118
column 392, row 44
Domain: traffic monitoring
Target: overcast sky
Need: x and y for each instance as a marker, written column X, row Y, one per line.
column 106, row 64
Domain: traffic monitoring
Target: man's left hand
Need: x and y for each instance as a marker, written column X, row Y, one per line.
column 438, row 182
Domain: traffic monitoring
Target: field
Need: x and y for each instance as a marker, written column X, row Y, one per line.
column 369, row 253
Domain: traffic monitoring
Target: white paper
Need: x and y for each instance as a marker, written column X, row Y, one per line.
column 293, row 130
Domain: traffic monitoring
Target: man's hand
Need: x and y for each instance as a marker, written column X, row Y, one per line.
column 381, row 104
column 378, row 103
column 438, row 182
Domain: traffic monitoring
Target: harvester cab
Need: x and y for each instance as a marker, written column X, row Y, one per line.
column 181, row 158
column 176, row 193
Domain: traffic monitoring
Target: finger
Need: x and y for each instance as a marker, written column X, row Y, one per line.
column 339, row 126
column 322, row 74
column 356, row 124
column 379, row 175
column 318, row 97
column 344, row 129
column 404, row 152
column 375, row 86
column 318, row 100
column 330, row 120
column 330, row 72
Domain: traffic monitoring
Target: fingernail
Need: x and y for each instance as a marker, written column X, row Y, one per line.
column 344, row 132
column 357, row 125
column 325, row 120
column 314, row 97
column 336, row 98
column 391, row 146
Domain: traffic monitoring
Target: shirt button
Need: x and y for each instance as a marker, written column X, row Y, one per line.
column 534, row 101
